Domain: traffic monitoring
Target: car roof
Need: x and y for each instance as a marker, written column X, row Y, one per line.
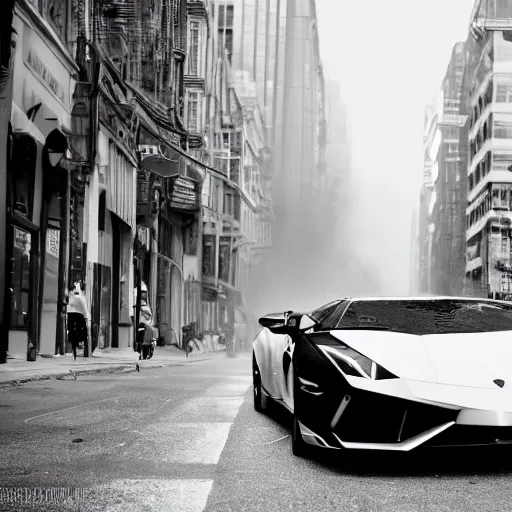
column 424, row 298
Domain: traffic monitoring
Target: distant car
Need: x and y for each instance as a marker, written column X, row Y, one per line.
column 390, row 374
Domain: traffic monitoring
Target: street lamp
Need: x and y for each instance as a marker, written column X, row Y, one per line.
column 55, row 157
column 56, row 147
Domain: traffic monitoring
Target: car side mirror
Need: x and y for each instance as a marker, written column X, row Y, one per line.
column 272, row 321
column 279, row 324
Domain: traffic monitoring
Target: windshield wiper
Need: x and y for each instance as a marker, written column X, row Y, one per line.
column 363, row 328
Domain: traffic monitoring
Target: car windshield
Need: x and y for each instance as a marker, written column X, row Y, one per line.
column 423, row 317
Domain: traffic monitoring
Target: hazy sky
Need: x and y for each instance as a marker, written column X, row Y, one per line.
column 390, row 58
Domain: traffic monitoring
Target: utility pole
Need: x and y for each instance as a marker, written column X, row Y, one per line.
column 63, row 267
column 138, row 284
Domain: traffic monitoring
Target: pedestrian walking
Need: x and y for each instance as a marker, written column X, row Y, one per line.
column 78, row 315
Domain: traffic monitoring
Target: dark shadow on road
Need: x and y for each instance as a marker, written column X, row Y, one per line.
column 434, row 462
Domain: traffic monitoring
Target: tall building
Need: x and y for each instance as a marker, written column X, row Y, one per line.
column 448, row 212
column 488, row 88
column 338, row 148
column 443, row 195
column 431, row 142
column 414, row 260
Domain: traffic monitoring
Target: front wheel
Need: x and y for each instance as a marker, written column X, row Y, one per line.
column 260, row 399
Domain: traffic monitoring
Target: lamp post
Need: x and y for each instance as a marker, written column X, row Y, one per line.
column 56, row 147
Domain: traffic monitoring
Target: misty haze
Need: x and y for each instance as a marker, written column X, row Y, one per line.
column 250, row 252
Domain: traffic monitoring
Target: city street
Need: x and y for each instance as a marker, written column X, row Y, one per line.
column 187, row 438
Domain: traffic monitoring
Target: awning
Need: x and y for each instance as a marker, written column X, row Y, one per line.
column 161, row 165
column 22, row 124
column 47, row 121
column 43, row 122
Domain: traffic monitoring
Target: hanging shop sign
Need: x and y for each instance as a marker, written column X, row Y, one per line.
column 184, row 195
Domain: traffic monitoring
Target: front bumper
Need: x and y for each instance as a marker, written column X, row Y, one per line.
column 368, row 421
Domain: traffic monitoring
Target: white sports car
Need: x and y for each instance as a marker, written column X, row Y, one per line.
column 390, row 373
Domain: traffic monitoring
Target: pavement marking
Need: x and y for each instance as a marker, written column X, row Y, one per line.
column 232, row 389
column 152, row 495
column 189, row 443
column 207, row 410
column 68, row 409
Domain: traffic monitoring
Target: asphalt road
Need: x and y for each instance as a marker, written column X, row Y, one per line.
column 187, row 439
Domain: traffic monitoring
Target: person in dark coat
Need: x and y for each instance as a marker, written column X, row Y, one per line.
column 77, row 318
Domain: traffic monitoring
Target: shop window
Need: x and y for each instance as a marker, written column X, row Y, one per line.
column 24, row 160
column 20, row 279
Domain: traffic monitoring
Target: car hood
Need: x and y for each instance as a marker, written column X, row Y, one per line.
column 473, row 360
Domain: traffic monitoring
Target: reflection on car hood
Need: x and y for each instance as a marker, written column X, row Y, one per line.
column 474, row 360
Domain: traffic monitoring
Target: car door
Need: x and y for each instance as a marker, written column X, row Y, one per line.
column 268, row 350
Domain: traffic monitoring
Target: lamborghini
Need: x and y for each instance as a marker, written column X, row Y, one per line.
column 392, row 374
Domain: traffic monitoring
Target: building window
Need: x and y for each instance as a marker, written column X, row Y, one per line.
column 102, row 210
column 193, row 111
column 193, row 49
column 503, row 129
column 224, row 258
column 209, row 255
column 229, row 201
column 504, row 93
column 451, row 132
column 504, row 246
column 225, row 30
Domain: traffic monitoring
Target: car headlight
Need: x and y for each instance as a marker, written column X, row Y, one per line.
column 352, row 363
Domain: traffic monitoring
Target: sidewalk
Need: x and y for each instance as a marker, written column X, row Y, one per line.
column 20, row 371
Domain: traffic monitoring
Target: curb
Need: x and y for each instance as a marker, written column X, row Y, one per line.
column 124, row 368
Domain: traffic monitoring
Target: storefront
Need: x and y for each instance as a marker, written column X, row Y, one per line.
column 111, row 225
column 176, row 239
column 40, row 118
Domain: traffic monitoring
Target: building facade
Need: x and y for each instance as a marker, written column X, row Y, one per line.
column 141, row 160
column 236, row 207
column 445, row 186
column 488, row 85
column 38, row 180
column 431, row 143
column 7, row 45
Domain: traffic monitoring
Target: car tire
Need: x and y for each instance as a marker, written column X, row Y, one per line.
column 299, row 447
column 260, row 399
